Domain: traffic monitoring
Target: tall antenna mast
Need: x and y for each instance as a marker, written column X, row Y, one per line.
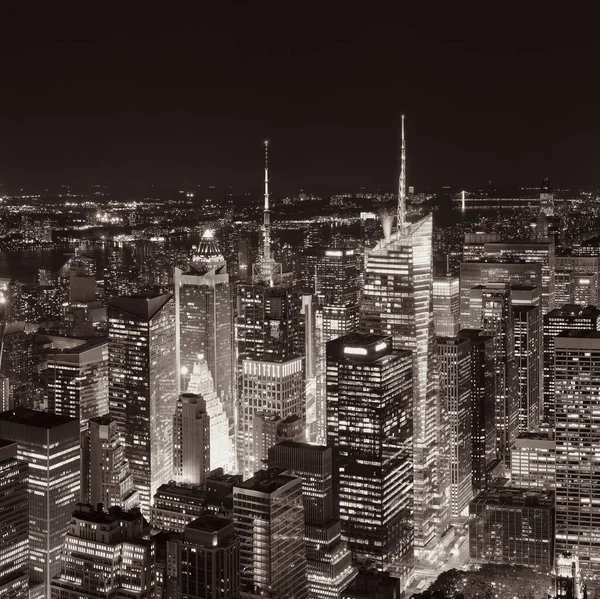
column 402, row 184
column 266, row 212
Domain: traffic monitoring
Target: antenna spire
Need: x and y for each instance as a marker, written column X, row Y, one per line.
column 266, row 212
column 402, row 184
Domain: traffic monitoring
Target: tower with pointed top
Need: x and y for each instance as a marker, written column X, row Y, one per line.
column 204, row 320
column 398, row 302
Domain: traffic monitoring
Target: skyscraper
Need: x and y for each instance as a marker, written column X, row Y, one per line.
column 455, row 357
column 269, row 520
column 491, row 305
column 397, row 301
column 191, row 440
column 204, row 317
column 204, row 561
column 143, row 385
column 14, row 516
column 369, row 392
column 446, row 306
column 329, row 559
column 577, row 425
column 109, row 477
column 16, row 363
column 483, row 404
column 50, row 445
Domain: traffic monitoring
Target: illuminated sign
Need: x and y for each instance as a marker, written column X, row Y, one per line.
column 357, row 351
column 380, row 346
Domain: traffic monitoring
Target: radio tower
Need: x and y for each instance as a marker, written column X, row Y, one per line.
column 402, row 185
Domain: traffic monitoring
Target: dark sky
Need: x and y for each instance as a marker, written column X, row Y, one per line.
column 132, row 98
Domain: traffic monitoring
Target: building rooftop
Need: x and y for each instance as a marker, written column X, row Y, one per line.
column 515, row 497
column 209, row 523
column 267, row 481
column 36, row 418
column 144, row 306
column 89, row 513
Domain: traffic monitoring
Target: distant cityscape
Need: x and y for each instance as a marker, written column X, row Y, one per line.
column 370, row 395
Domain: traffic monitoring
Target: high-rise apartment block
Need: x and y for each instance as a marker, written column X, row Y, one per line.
column 577, row 426
column 397, row 302
column 369, row 425
column 14, row 524
column 268, row 516
column 143, row 385
column 50, row 445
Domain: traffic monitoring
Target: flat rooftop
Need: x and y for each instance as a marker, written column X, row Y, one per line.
column 36, row 418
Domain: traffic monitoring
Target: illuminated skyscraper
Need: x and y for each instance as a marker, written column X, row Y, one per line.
column 446, row 306
column 528, row 361
column 569, row 317
column 203, row 308
column 50, row 445
column 568, row 582
column 14, row 524
column 221, row 450
column 483, row 404
column 455, row 355
column 143, row 385
column 369, row 393
column 191, row 440
column 397, row 301
column 106, row 554
column 491, row 306
column 109, row 478
column 577, row 425
column 329, row 559
column 268, row 516
column 16, row 360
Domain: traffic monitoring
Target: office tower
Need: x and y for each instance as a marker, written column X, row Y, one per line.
column 201, row 383
column 446, row 306
column 373, row 585
column 204, row 317
column 143, row 385
column 568, row 582
column 491, row 306
column 397, row 301
column 270, row 429
column 332, row 321
column 454, row 357
column 369, row 393
column 585, row 288
column 529, row 363
column 77, row 386
column 175, row 505
column 269, row 521
column 568, row 269
column 50, row 445
column 16, row 363
column 329, row 559
column 483, row 404
column 512, row 526
column 109, row 477
column 474, row 245
column 191, row 440
column 331, row 274
column 564, row 287
column 569, row 317
column 533, row 461
column 477, row 274
column 540, row 252
column 106, row 554
column 204, row 561
column 14, row 523
column 577, row 425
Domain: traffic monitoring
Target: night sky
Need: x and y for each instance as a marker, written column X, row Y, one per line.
column 132, row 99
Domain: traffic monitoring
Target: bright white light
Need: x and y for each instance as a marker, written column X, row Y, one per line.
column 358, row 351
column 380, row 346
column 200, row 357
column 184, row 370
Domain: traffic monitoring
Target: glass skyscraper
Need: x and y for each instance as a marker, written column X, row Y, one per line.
column 143, row 386
column 397, row 301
